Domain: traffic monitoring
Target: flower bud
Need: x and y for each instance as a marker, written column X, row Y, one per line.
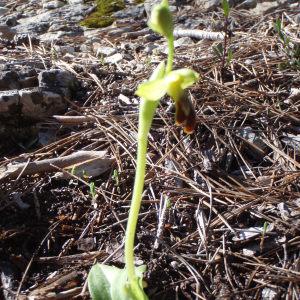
column 161, row 20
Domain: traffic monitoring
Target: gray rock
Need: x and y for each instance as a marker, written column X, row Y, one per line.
column 58, row 81
column 292, row 141
column 100, row 50
column 130, row 12
column 9, row 101
column 254, row 140
column 37, row 103
column 11, row 21
column 26, row 39
column 53, row 4
column 9, row 80
column 3, row 10
column 184, row 41
column 247, row 4
column 297, row 19
column 7, row 32
column 74, row 2
column 114, row 58
column 150, row 47
column 208, row 5
column 64, row 49
column 28, row 82
column 148, row 5
column 85, row 47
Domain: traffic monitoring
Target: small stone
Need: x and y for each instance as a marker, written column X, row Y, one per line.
column 26, row 39
column 208, row 5
column 86, row 244
column 64, row 49
column 174, row 264
column 29, row 82
column 253, row 138
column 3, row 10
column 268, row 294
column 11, row 21
column 53, row 4
column 148, row 5
column 37, row 103
column 9, row 101
column 248, row 4
column 150, row 47
column 84, row 48
column 100, row 50
column 114, row 58
column 284, row 211
column 7, row 32
column 183, row 41
column 293, row 142
column 58, row 81
column 9, row 80
column 74, row 2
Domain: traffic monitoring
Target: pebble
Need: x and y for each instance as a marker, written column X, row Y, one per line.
column 9, row 80
column 8, row 101
column 38, row 103
column 64, row 49
column 3, row 10
column 53, row 4
column 114, row 58
column 7, row 32
column 183, row 41
column 105, row 51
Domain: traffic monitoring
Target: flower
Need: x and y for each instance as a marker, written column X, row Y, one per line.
column 174, row 84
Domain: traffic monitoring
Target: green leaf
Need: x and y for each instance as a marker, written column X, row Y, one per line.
column 226, row 8
column 229, row 56
column 92, row 189
column 110, row 283
column 99, row 281
column 278, row 25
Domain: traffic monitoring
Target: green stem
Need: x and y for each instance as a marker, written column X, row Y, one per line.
column 170, row 55
column 147, row 110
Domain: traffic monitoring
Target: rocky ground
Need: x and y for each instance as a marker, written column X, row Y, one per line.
column 221, row 206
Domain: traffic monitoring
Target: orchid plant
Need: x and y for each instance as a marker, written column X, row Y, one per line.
column 108, row 282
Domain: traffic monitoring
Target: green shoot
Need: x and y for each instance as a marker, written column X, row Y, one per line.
column 261, row 245
column 116, row 177
column 73, row 170
column 111, row 283
column 223, row 51
column 93, row 190
column 226, row 8
column 291, row 50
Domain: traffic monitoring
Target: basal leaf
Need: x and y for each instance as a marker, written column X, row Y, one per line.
column 110, row 283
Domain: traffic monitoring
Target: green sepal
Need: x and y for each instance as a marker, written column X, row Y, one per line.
column 153, row 89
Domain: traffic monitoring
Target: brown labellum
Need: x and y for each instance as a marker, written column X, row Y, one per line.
column 185, row 114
